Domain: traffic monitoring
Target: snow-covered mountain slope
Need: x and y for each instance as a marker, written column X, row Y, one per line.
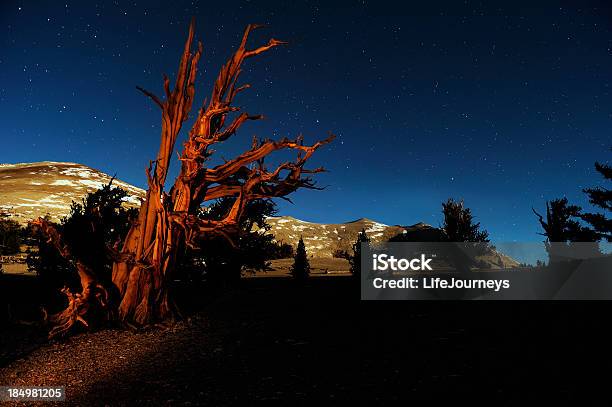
column 321, row 239
column 30, row 190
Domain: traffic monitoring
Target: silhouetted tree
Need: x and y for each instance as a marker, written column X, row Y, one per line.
column 10, row 236
column 221, row 260
column 283, row 250
column 99, row 221
column 561, row 223
column 459, row 225
column 301, row 267
column 470, row 241
column 561, row 227
column 602, row 198
column 355, row 259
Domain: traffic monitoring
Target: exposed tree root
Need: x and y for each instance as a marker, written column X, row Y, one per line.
column 84, row 309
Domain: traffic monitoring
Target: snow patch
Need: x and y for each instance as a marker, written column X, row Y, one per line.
column 64, row 182
column 376, row 227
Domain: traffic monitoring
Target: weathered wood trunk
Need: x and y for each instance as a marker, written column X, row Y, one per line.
column 167, row 223
column 143, row 285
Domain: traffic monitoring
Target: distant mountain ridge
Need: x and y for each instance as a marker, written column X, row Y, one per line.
column 322, row 239
column 30, row 190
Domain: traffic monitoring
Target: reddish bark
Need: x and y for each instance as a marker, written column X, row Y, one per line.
column 144, row 263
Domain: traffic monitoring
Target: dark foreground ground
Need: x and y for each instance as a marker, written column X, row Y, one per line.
column 271, row 341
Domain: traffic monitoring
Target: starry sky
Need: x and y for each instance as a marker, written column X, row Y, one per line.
column 502, row 106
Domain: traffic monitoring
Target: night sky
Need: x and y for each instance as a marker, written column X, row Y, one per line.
column 502, row 107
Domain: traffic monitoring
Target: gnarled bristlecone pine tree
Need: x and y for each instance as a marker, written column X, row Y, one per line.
column 144, row 262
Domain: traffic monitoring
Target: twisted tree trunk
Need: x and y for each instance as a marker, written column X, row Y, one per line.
column 143, row 264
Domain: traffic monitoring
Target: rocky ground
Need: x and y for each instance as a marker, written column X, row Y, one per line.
column 271, row 341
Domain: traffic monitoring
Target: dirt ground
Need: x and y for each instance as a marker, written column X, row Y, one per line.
column 16, row 268
column 318, row 267
column 272, row 341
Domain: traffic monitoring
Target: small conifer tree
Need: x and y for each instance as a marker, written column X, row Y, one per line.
column 301, row 268
column 355, row 260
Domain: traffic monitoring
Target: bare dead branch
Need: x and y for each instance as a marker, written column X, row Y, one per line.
column 152, row 96
column 220, row 172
